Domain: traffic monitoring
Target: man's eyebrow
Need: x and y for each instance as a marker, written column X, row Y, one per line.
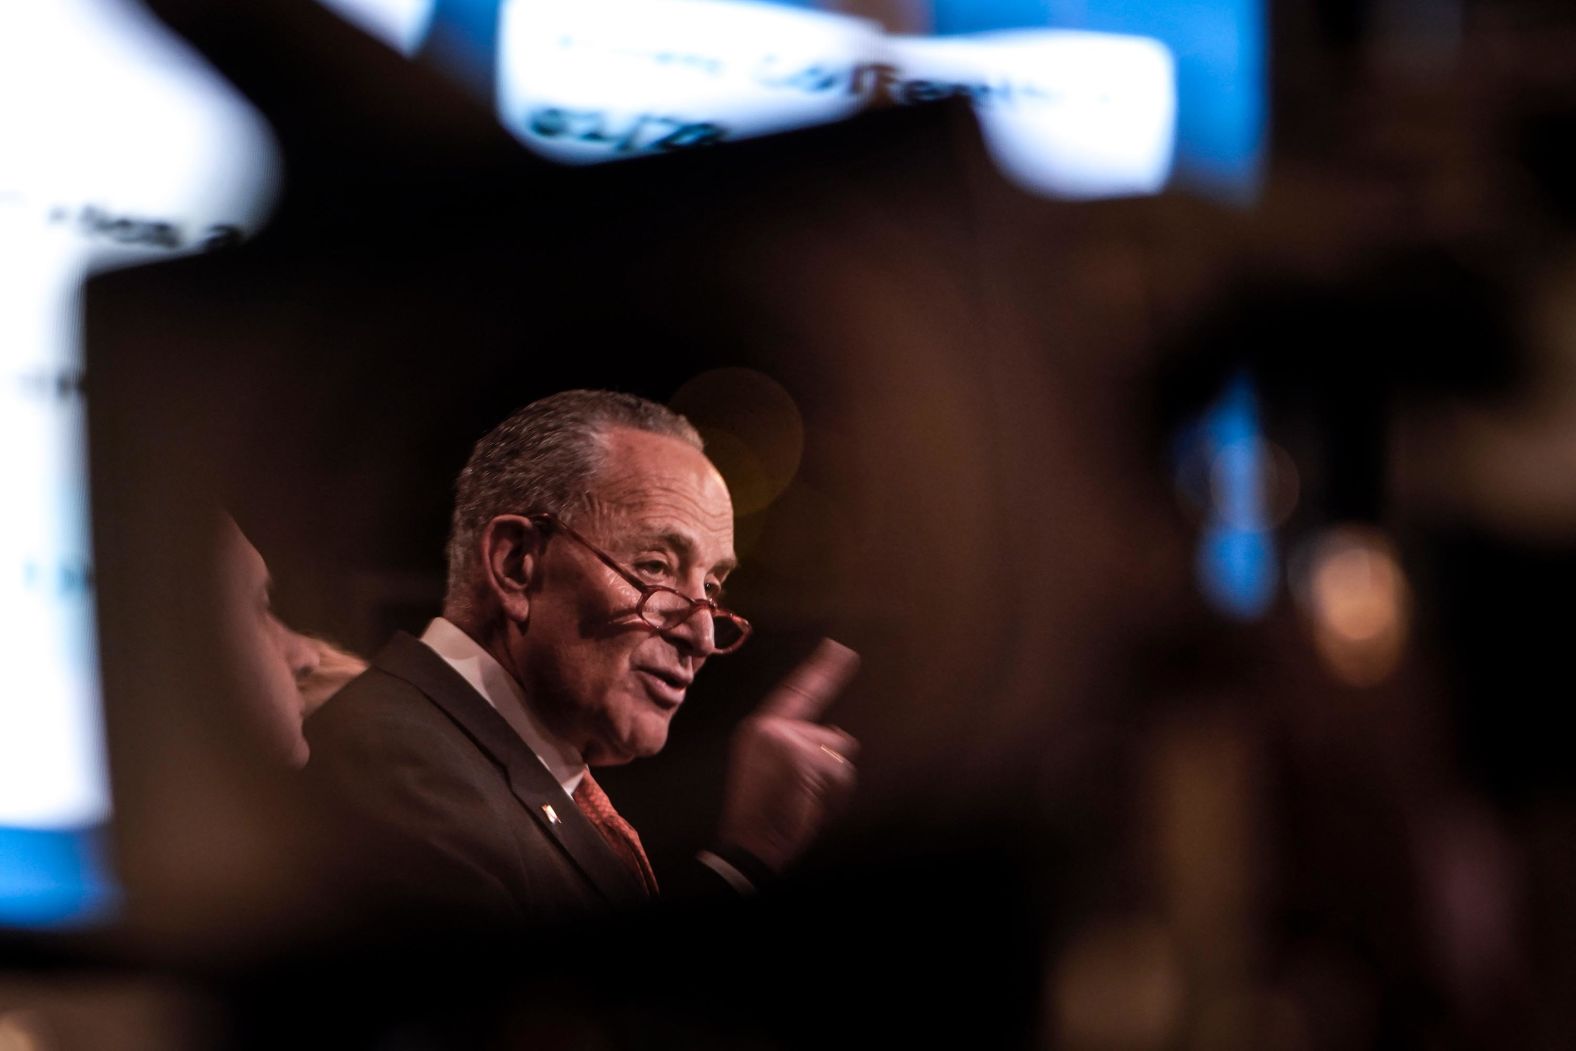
column 685, row 547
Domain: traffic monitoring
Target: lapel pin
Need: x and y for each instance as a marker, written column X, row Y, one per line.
column 552, row 815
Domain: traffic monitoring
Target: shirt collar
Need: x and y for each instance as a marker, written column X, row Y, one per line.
column 499, row 689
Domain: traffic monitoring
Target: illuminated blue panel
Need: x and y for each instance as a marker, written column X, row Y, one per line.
column 1236, row 563
column 53, row 878
column 1218, row 46
column 462, row 37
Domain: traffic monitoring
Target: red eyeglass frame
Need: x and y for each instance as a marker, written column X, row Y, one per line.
column 552, row 522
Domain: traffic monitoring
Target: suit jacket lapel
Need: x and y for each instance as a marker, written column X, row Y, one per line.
column 530, row 781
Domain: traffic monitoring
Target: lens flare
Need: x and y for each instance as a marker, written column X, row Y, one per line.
column 753, row 430
column 1352, row 588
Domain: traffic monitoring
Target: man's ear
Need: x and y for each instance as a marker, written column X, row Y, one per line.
column 511, row 548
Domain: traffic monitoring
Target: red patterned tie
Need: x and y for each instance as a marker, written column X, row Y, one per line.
column 620, row 834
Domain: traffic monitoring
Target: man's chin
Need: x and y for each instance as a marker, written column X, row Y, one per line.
column 649, row 744
column 642, row 740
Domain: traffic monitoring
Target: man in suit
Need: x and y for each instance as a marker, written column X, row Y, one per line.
column 590, row 542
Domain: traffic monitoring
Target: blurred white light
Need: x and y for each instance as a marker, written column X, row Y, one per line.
column 117, row 145
column 594, row 80
column 1067, row 113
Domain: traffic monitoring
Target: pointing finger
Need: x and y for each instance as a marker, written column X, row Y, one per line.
column 809, row 688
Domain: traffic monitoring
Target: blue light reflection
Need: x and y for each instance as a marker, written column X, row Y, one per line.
column 54, row 877
column 1236, row 563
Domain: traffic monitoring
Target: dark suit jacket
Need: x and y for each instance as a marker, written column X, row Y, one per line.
column 445, row 810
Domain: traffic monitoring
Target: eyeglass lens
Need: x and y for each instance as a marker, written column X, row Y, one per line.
column 667, row 609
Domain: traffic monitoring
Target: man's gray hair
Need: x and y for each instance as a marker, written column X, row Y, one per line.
column 542, row 458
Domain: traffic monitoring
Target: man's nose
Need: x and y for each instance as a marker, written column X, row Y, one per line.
column 696, row 631
column 302, row 653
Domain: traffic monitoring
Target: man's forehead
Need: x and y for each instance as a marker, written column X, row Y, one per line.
column 664, row 488
column 640, row 466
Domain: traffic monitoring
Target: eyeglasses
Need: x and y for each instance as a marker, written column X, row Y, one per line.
column 661, row 607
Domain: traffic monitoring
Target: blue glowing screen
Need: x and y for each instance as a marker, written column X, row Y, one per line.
column 1221, row 467
column 1218, row 47
column 1097, row 98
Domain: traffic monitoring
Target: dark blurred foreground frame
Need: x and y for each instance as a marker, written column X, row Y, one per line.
column 975, row 511
column 957, row 516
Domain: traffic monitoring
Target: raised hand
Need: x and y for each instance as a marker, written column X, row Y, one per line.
column 787, row 771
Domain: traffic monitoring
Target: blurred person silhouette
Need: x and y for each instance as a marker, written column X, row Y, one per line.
column 282, row 675
column 590, row 542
